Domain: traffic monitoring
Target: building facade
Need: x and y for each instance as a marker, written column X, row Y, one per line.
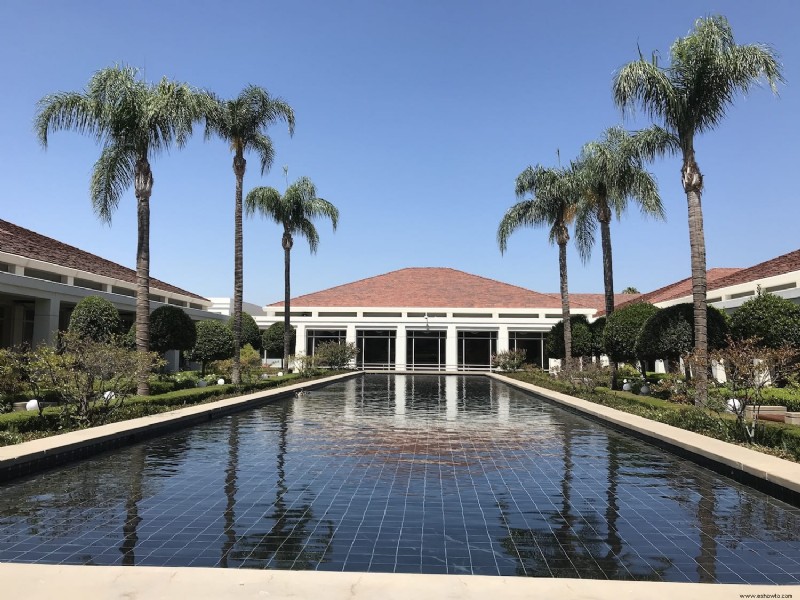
column 427, row 319
column 42, row 279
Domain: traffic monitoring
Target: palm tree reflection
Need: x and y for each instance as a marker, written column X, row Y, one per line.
column 295, row 539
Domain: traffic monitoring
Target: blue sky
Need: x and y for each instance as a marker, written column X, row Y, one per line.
column 414, row 118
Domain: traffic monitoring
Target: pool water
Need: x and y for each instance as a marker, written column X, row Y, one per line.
column 412, row 474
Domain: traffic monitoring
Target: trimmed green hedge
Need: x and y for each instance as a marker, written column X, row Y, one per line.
column 778, row 436
column 14, row 425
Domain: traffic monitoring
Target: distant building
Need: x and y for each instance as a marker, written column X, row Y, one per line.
column 428, row 319
column 42, row 279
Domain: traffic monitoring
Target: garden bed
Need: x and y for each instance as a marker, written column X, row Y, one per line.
column 17, row 427
column 777, row 439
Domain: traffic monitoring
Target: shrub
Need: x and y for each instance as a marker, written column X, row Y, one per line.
column 509, row 360
column 87, row 373
column 251, row 334
column 304, row 364
column 749, row 369
column 596, row 328
column 622, row 329
column 95, row 318
column 171, row 329
column 249, row 364
column 772, row 319
column 12, row 372
column 214, row 342
column 272, row 340
column 581, row 338
column 669, row 333
column 335, row 355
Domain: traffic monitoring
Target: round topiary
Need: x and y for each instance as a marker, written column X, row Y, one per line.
column 622, row 329
column 597, row 327
column 171, row 329
column 95, row 318
column 772, row 319
column 251, row 334
column 581, row 338
column 669, row 333
column 272, row 340
column 214, row 342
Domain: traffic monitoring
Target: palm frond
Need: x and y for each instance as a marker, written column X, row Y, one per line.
column 68, row 110
column 306, row 228
column 262, row 145
column 112, row 175
column 266, row 201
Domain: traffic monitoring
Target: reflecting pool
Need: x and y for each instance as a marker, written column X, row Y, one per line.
column 401, row 473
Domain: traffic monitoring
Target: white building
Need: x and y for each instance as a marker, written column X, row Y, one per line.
column 729, row 288
column 428, row 319
column 42, row 279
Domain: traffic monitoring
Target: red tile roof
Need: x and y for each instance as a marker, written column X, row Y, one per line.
column 29, row 244
column 430, row 287
column 786, row 263
column 598, row 301
column 679, row 289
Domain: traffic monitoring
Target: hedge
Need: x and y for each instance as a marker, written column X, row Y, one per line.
column 52, row 420
column 779, row 436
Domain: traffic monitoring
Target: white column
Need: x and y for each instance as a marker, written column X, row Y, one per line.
column 350, row 338
column 400, row 349
column 45, row 320
column 300, row 340
column 451, row 349
column 502, row 339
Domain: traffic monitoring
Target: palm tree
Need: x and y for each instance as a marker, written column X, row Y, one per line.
column 554, row 204
column 294, row 210
column 691, row 96
column 242, row 123
column 612, row 173
column 134, row 121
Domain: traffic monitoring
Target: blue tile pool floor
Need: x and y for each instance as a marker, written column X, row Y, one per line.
column 405, row 474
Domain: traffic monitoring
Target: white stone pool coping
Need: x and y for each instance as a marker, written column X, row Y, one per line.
column 68, row 582
column 776, row 470
column 45, row 582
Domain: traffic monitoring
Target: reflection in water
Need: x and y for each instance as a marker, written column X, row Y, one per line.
column 230, row 492
column 290, row 542
column 132, row 518
column 413, row 473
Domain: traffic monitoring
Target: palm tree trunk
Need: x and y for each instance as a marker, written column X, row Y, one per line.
column 143, row 187
column 239, row 164
column 562, row 264
column 604, row 216
column 287, row 325
column 693, row 185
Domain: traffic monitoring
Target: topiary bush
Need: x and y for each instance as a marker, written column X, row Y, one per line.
column 596, row 328
column 669, row 333
column 96, row 319
column 171, row 329
column 251, row 334
column 581, row 338
column 622, row 329
column 214, row 342
column 272, row 340
column 772, row 319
